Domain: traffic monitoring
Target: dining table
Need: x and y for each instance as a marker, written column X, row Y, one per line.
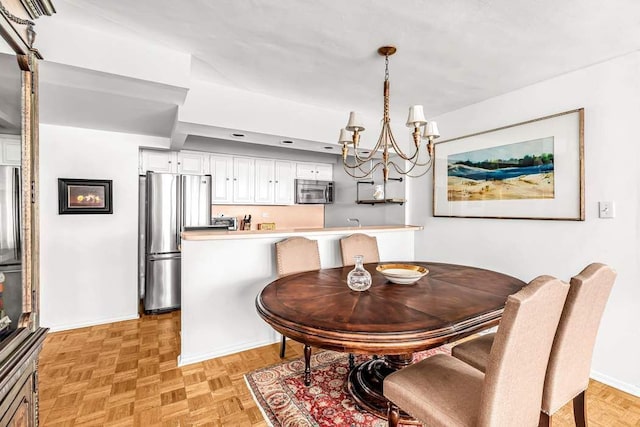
column 389, row 321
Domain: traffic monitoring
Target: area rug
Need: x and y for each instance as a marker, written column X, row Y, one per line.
column 285, row 401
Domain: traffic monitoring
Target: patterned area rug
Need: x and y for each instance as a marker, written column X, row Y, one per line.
column 280, row 392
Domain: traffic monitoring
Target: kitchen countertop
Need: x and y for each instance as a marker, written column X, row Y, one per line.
column 249, row 234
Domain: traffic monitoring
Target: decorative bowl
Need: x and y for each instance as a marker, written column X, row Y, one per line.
column 402, row 274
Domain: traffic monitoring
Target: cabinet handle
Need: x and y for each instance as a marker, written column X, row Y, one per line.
column 270, row 181
column 227, row 179
column 277, row 182
column 235, row 179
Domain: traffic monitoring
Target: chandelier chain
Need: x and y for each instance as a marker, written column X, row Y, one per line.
column 386, row 67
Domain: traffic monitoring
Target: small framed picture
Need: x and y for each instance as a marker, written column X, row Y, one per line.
column 84, row 196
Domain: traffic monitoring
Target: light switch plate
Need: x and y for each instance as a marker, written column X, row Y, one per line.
column 606, row 209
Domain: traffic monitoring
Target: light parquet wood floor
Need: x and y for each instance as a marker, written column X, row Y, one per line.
column 126, row 374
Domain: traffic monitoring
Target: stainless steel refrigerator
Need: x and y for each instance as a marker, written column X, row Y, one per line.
column 10, row 251
column 172, row 202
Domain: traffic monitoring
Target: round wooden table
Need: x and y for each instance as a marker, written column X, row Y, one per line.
column 317, row 308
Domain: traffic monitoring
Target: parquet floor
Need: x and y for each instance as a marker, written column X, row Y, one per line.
column 126, row 374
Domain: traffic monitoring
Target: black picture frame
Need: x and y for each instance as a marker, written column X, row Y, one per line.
column 84, row 196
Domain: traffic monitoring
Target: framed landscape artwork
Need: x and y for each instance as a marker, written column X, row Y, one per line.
column 530, row 170
column 84, row 196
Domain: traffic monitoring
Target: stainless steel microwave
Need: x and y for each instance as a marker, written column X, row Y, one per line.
column 314, row 192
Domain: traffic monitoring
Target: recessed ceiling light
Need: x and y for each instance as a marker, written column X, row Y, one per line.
column 328, row 148
column 286, row 141
column 238, row 135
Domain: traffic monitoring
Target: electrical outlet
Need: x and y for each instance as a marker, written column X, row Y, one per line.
column 606, row 209
column 265, row 214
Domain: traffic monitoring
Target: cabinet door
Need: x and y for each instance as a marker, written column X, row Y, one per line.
column 264, row 189
column 221, row 179
column 243, row 183
column 11, row 151
column 284, row 183
column 324, row 172
column 305, row 171
column 193, row 163
column 158, row 161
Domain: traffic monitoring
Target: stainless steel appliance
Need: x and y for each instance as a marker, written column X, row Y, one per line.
column 10, row 250
column 172, row 202
column 225, row 223
column 314, row 192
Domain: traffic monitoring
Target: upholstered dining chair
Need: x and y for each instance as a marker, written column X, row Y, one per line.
column 296, row 255
column 359, row 244
column 570, row 360
column 444, row 391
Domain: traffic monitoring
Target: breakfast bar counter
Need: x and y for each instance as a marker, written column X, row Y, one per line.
column 223, row 272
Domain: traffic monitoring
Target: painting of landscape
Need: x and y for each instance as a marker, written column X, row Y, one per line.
column 522, row 170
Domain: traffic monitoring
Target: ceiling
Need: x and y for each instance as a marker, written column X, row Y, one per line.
column 450, row 53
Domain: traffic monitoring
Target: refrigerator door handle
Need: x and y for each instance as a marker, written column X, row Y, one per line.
column 180, row 213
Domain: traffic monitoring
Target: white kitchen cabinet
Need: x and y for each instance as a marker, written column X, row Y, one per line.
column 221, row 168
column 314, row 171
column 158, row 161
column 10, row 150
column 193, row 163
column 243, row 180
column 265, row 185
column 284, row 188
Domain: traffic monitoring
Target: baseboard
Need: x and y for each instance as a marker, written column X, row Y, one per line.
column 59, row 328
column 620, row 385
column 224, row 351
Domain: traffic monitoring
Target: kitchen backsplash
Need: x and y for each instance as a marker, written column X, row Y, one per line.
column 294, row 216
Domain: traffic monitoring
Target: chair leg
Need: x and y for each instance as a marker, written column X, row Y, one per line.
column 580, row 410
column 352, row 361
column 307, row 365
column 545, row 420
column 282, row 347
column 393, row 414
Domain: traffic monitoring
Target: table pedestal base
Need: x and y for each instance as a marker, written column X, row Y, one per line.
column 365, row 384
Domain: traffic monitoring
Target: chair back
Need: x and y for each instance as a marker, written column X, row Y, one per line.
column 297, row 254
column 359, row 244
column 512, row 391
column 570, row 361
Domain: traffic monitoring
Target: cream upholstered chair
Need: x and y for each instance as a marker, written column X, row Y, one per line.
column 444, row 391
column 570, row 360
column 296, row 255
column 359, row 244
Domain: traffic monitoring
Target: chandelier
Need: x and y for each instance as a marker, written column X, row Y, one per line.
column 364, row 166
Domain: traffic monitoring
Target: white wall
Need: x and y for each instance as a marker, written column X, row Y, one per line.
column 344, row 207
column 609, row 92
column 88, row 263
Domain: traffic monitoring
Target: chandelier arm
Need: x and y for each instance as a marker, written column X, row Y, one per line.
column 399, row 151
column 373, row 151
column 365, row 173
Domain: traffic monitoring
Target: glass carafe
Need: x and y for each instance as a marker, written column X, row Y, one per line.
column 359, row 279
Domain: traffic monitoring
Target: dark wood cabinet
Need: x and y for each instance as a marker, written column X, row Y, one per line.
column 21, row 336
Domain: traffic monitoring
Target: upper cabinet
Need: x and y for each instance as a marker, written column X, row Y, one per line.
column 265, row 181
column 193, row 163
column 158, row 161
column 283, row 186
column 314, row 171
column 221, row 168
column 243, row 175
column 235, row 179
column 10, row 148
